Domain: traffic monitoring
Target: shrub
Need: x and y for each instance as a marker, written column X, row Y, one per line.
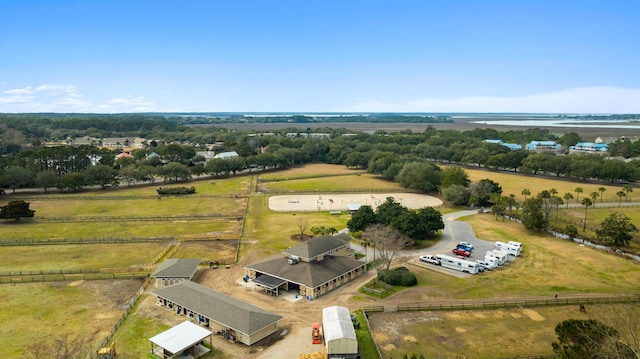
column 398, row 276
column 176, row 190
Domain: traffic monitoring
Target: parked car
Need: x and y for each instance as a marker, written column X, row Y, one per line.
column 466, row 244
column 430, row 259
column 463, row 247
column 461, row 252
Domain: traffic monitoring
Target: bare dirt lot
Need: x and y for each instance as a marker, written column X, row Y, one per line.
column 339, row 202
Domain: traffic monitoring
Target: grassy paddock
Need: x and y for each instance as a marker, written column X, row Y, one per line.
column 267, row 232
column 81, row 256
column 43, row 312
column 362, row 183
column 183, row 229
column 474, row 334
column 312, row 169
column 514, row 184
column 224, row 251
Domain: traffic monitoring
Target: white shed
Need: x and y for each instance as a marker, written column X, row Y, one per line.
column 339, row 336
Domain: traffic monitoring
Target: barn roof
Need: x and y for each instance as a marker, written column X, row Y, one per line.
column 177, row 268
column 310, row 274
column 228, row 311
column 318, row 246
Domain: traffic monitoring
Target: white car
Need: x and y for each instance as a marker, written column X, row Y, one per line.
column 467, row 244
column 430, row 259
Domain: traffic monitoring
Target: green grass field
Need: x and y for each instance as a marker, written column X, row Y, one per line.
column 80, row 256
column 41, row 312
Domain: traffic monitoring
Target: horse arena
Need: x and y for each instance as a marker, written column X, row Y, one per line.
column 339, row 202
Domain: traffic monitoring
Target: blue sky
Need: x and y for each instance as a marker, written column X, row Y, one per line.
column 304, row 56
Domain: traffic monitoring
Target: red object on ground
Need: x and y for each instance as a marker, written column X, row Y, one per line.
column 315, row 333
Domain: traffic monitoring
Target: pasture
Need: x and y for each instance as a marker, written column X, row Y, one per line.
column 43, row 312
column 33, row 313
column 475, row 333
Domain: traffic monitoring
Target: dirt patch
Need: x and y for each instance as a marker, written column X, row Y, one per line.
column 533, row 315
column 410, row 339
column 339, row 202
column 460, row 330
column 388, row 347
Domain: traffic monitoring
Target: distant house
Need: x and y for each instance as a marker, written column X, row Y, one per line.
column 123, row 142
column 226, row 155
column 235, row 320
column 511, row 146
column 544, row 146
column 175, row 270
column 312, row 268
column 123, row 155
column 589, row 147
column 207, row 155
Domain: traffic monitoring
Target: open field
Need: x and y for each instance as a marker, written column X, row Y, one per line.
column 221, row 251
column 310, row 170
column 475, row 334
column 514, row 184
column 183, row 229
column 78, row 256
column 41, row 312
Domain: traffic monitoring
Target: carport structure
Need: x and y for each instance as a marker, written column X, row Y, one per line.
column 181, row 341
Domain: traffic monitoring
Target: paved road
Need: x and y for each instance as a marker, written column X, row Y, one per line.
column 454, row 232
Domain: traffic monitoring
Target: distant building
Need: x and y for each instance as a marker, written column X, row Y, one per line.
column 589, row 147
column 544, row 146
column 226, row 155
column 511, row 146
column 339, row 334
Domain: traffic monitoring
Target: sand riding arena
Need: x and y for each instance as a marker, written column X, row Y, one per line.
column 341, row 202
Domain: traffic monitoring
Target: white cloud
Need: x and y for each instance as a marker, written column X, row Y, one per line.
column 26, row 90
column 576, row 100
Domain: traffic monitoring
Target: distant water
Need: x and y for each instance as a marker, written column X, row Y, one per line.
column 564, row 123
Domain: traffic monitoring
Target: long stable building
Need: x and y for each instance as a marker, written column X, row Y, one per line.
column 235, row 320
column 313, row 268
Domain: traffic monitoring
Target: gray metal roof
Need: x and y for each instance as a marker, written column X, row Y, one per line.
column 230, row 312
column 310, row 274
column 177, row 268
column 317, row 246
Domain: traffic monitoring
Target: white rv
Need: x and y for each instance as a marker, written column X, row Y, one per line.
column 509, row 248
column 514, row 243
column 499, row 255
column 458, row 264
column 492, row 261
column 488, row 264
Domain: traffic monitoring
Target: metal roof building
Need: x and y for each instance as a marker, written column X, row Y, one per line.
column 235, row 320
column 339, row 334
column 183, row 338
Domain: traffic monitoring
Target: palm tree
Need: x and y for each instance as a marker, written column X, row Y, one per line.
column 578, row 190
column 556, row 201
column 602, row 190
column 567, row 196
column 594, row 195
column 586, row 202
column 627, row 189
column 525, row 192
column 620, row 194
column 553, row 191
